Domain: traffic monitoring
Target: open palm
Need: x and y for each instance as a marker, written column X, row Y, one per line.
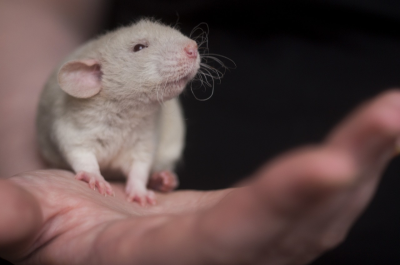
column 290, row 212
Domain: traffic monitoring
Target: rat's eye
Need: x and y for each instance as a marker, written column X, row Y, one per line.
column 139, row 47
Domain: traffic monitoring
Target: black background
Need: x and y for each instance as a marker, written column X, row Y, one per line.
column 301, row 67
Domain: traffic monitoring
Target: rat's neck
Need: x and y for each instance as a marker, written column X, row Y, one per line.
column 135, row 108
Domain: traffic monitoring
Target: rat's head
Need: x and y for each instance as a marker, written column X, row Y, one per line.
column 146, row 61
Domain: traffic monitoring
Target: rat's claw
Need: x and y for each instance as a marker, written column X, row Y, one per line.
column 92, row 183
column 109, row 190
column 142, row 196
column 101, row 187
column 151, row 198
column 95, row 181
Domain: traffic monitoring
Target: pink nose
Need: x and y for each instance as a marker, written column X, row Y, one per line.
column 191, row 50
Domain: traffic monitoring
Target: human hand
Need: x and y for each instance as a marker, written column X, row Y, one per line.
column 290, row 212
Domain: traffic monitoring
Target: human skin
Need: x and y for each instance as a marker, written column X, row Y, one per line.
column 289, row 212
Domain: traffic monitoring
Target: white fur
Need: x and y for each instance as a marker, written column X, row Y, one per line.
column 135, row 118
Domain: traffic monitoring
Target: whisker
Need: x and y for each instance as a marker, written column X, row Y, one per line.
column 207, row 71
column 201, row 43
column 218, row 73
column 198, row 28
column 199, row 78
column 212, row 56
column 205, row 78
column 204, row 99
column 163, row 91
column 210, row 75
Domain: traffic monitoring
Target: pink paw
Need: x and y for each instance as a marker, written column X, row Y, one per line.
column 164, row 181
column 140, row 195
column 95, row 181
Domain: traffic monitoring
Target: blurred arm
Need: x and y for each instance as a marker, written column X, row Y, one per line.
column 35, row 36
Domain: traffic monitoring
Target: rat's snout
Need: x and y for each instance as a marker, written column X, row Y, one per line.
column 191, row 50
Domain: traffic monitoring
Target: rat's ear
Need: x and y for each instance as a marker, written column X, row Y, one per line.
column 80, row 78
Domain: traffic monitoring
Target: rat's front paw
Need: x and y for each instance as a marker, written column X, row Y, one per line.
column 139, row 194
column 164, row 181
column 95, row 181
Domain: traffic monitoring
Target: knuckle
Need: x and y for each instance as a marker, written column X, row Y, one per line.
column 385, row 118
column 330, row 241
column 393, row 93
column 389, row 100
column 384, row 112
column 334, row 165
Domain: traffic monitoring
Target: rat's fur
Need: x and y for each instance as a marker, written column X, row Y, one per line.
column 127, row 122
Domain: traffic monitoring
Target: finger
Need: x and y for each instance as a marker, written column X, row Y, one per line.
column 355, row 153
column 20, row 219
column 368, row 138
column 371, row 132
column 303, row 178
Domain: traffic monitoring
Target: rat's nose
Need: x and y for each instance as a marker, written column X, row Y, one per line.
column 191, row 50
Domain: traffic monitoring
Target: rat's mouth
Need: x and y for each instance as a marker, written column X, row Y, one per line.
column 182, row 79
column 179, row 83
column 171, row 89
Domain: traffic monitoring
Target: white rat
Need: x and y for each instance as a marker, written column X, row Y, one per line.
column 112, row 105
